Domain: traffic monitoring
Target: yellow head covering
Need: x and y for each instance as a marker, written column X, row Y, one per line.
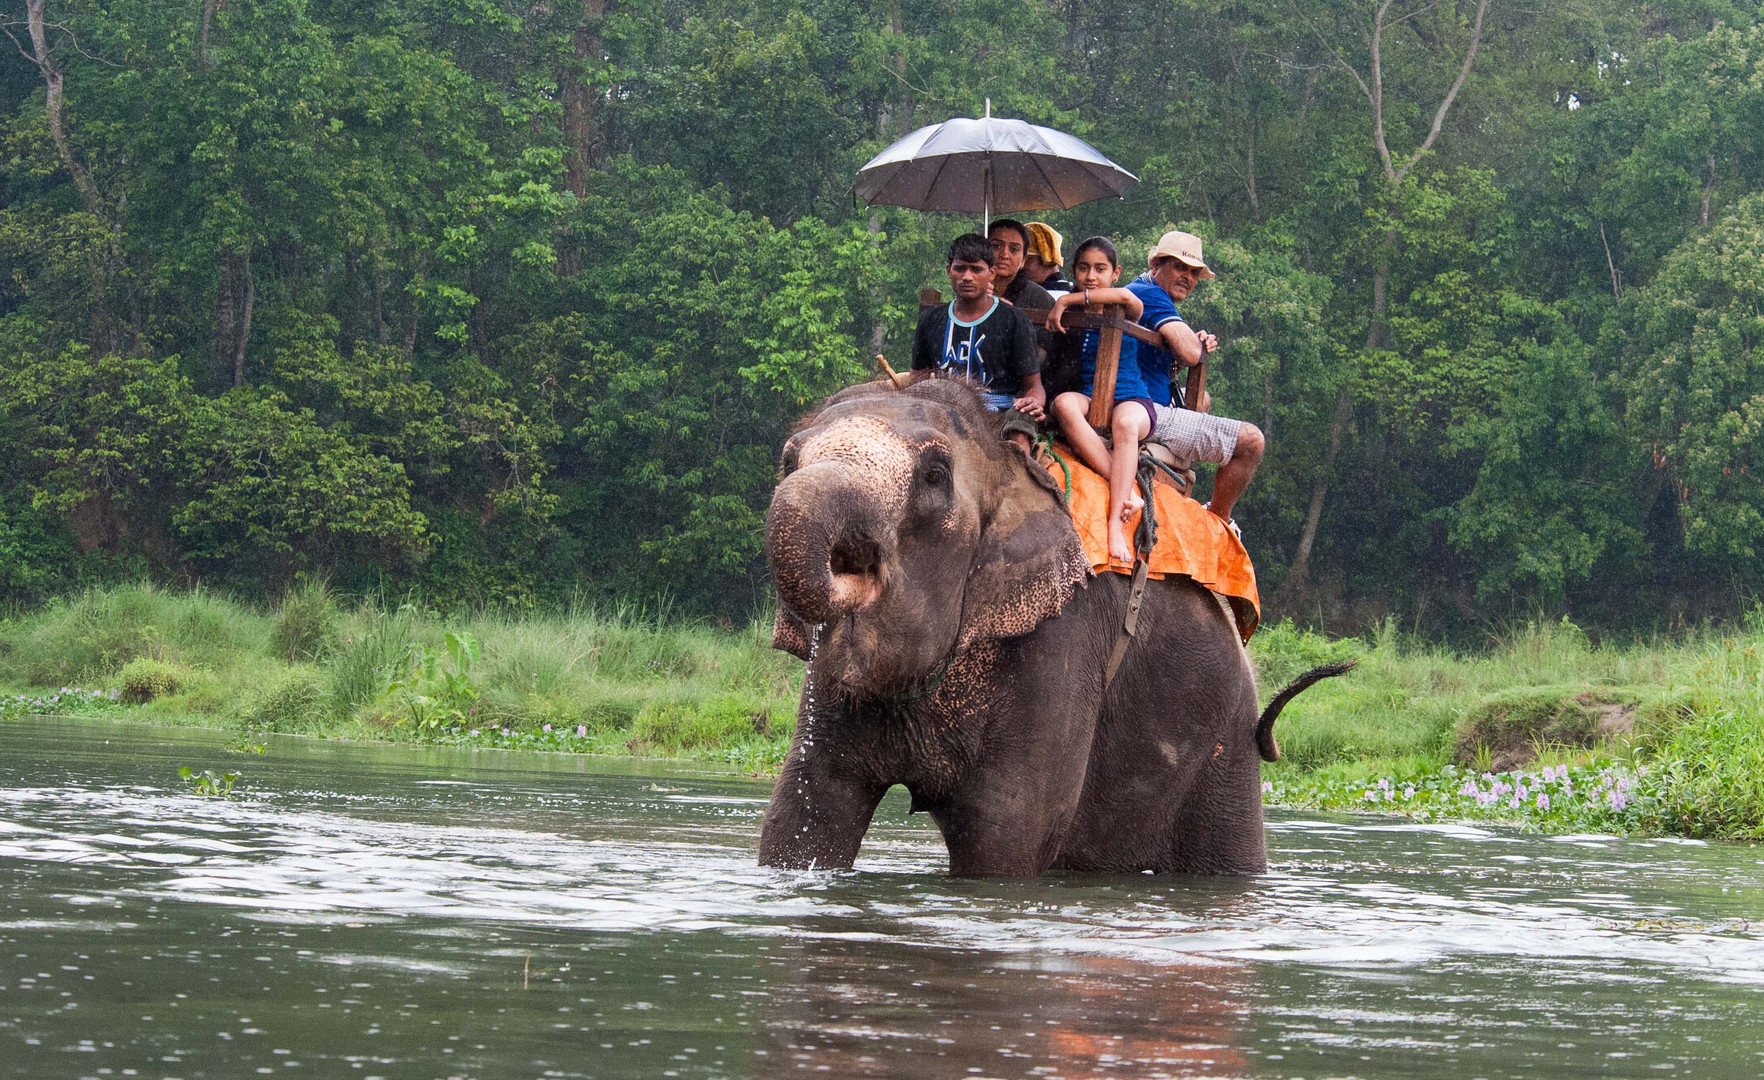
column 1044, row 241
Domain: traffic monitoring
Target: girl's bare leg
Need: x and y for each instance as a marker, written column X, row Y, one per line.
column 1129, row 424
column 1072, row 410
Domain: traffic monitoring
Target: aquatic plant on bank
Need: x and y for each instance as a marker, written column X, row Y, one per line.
column 1559, row 798
column 65, row 701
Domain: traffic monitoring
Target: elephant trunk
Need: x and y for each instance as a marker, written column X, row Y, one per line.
column 824, row 543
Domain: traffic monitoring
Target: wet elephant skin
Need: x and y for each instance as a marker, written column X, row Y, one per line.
column 956, row 642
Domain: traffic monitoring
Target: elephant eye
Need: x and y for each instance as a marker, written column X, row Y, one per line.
column 792, row 455
column 937, row 473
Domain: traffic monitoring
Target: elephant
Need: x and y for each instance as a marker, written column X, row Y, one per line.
column 956, row 640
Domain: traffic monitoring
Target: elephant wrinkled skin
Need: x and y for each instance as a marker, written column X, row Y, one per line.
column 956, row 642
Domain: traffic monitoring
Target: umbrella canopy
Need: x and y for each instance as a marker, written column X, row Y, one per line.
column 990, row 165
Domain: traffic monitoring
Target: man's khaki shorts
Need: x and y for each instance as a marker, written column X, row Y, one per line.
column 1197, row 436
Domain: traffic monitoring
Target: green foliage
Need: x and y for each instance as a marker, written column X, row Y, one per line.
column 289, row 702
column 498, row 307
column 306, row 622
column 437, row 690
column 208, row 782
column 676, row 727
column 144, row 679
column 364, row 660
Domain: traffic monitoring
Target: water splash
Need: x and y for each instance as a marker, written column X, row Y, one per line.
column 805, row 720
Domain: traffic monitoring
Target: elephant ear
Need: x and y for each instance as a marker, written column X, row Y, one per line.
column 1028, row 561
column 790, row 634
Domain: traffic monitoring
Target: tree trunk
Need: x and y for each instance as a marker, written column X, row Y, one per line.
column 52, row 107
column 209, row 7
column 581, row 113
column 411, row 314
column 105, row 335
column 379, row 300
column 1709, row 188
column 244, row 323
column 581, row 102
column 225, row 313
column 1344, row 408
column 1250, row 183
column 235, row 298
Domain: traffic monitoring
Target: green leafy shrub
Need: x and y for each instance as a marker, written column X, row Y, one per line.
column 144, row 679
column 86, row 637
column 306, row 623
column 288, row 702
column 437, row 689
column 1283, row 651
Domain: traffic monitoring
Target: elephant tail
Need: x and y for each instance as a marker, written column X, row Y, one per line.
column 1265, row 726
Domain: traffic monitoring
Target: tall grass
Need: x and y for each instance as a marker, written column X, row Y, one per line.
column 315, row 663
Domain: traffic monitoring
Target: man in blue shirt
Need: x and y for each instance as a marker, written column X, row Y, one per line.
column 1175, row 267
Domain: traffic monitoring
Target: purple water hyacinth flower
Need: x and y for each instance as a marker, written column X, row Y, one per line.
column 1267, row 787
column 1513, row 803
column 581, row 731
column 1371, row 795
column 1469, row 789
column 1543, row 801
column 474, row 733
column 506, row 731
column 1409, row 792
column 546, row 729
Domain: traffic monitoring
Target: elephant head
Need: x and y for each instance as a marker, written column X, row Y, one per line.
column 906, row 529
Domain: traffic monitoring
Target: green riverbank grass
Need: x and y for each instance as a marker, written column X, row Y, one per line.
column 1543, row 728
column 606, row 682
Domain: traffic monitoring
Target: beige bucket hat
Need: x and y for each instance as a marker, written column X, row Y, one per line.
column 1183, row 246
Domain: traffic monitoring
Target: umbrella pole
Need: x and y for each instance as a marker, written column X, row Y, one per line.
column 986, row 184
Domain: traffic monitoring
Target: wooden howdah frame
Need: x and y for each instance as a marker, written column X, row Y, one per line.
column 1111, row 321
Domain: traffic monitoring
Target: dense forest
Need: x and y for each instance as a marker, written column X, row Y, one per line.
column 502, row 302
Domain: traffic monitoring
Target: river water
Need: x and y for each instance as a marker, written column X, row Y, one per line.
column 367, row 911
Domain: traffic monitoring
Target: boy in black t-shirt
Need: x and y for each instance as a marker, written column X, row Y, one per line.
column 980, row 337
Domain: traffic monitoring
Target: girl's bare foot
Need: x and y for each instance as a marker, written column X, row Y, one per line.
column 1135, row 503
column 1119, row 552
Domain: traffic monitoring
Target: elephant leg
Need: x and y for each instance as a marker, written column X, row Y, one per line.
column 817, row 817
column 1011, row 811
column 1219, row 827
column 988, row 838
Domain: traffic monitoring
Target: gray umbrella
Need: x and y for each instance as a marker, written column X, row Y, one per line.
column 990, row 165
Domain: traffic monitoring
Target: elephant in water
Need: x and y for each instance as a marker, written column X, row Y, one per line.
column 956, row 640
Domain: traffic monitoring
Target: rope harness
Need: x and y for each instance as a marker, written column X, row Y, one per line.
column 1144, row 539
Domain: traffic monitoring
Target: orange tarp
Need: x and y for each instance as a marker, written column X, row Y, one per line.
column 1191, row 540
